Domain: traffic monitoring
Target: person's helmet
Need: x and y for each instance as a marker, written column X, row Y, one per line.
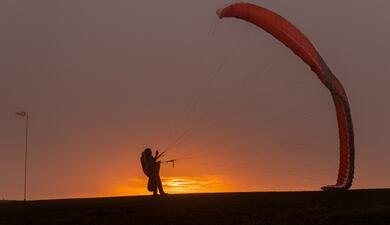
column 148, row 151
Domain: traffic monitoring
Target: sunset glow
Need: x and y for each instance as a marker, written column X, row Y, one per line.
column 176, row 185
column 193, row 184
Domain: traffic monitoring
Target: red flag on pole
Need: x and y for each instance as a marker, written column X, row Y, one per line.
column 21, row 113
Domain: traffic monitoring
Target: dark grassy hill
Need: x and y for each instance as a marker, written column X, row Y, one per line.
column 300, row 208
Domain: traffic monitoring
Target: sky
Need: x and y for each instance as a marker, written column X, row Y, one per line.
column 102, row 80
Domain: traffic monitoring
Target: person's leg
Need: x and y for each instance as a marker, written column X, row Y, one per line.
column 159, row 185
column 155, row 192
column 154, row 188
column 152, row 185
column 158, row 180
column 154, row 180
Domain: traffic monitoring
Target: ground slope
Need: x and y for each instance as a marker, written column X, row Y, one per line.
column 300, row 208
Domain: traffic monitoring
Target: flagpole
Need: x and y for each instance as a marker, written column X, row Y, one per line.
column 25, row 160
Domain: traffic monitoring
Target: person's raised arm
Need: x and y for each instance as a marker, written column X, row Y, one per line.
column 156, row 155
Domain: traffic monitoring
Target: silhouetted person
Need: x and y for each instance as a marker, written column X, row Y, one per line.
column 151, row 168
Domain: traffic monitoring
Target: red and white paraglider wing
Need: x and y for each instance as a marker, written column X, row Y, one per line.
column 295, row 40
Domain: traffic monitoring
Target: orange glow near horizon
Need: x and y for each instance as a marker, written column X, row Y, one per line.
column 175, row 185
column 194, row 184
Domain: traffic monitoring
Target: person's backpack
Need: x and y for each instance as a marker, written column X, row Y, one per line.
column 145, row 165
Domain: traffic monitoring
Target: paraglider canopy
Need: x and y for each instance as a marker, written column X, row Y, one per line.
column 296, row 41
